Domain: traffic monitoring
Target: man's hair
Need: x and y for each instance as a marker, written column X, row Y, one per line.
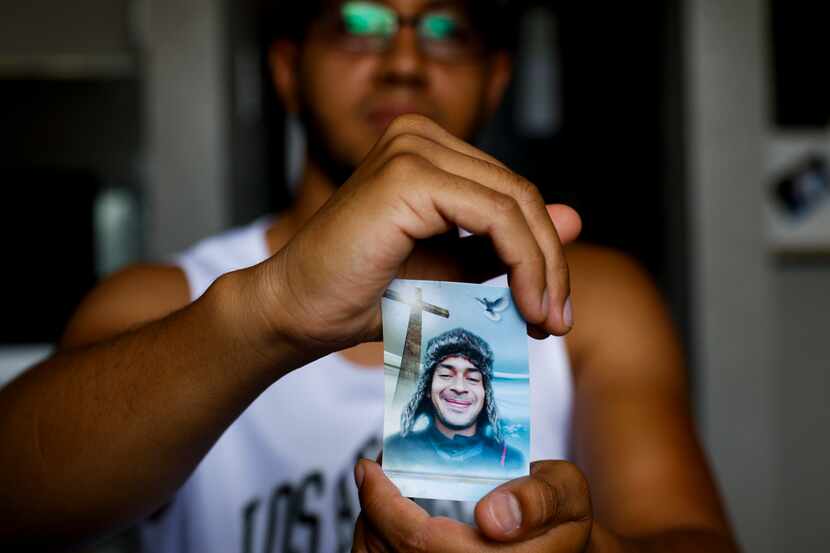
column 457, row 342
column 497, row 19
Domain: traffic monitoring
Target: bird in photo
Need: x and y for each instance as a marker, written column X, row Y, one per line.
column 493, row 308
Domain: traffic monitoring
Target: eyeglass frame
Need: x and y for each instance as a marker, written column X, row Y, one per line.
column 402, row 21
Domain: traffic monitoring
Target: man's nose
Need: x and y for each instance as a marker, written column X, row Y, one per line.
column 403, row 61
column 459, row 386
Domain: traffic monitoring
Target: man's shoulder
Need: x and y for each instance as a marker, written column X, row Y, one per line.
column 399, row 440
column 393, row 441
column 608, row 288
column 510, row 455
column 513, row 457
column 130, row 297
column 399, row 450
column 243, row 245
column 604, row 282
column 593, row 265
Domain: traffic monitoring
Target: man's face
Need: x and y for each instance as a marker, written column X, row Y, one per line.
column 350, row 96
column 457, row 392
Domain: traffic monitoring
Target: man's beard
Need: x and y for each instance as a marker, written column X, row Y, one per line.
column 321, row 152
column 452, row 426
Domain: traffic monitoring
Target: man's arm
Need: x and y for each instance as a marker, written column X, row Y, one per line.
column 106, row 430
column 633, row 432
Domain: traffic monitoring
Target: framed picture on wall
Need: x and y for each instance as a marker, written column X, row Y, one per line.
column 798, row 206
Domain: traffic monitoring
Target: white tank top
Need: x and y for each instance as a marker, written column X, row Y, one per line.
column 280, row 478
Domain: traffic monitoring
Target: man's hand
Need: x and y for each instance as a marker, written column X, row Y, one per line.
column 549, row 511
column 397, row 216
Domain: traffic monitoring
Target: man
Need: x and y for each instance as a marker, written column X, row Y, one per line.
column 455, row 391
column 160, row 401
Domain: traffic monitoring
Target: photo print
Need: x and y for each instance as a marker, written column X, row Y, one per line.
column 457, row 389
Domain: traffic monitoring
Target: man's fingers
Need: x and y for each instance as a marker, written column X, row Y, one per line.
column 532, row 512
column 395, row 518
column 414, row 135
column 359, row 538
column 419, row 125
column 567, row 221
column 555, row 493
column 391, row 522
column 454, row 200
column 458, row 158
column 478, row 261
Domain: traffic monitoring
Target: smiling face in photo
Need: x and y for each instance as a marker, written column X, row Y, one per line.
column 457, row 392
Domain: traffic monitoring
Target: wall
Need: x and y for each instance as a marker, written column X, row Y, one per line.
column 187, row 122
column 46, row 28
column 69, row 87
column 732, row 307
column 801, row 282
column 808, row 232
column 802, row 293
column 184, row 73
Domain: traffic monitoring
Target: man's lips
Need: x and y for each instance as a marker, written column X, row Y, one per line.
column 457, row 403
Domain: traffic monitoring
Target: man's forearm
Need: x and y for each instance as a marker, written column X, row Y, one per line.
column 96, row 437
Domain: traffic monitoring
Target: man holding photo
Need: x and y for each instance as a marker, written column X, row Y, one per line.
column 174, row 396
column 455, row 392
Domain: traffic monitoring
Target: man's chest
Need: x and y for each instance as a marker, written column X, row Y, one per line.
column 280, row 478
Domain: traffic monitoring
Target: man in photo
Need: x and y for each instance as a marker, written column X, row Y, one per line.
column 455, row 391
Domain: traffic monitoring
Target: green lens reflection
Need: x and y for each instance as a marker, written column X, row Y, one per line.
column 368, row 19
column 438, row 26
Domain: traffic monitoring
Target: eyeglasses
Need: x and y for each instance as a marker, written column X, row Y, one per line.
column 444, row 33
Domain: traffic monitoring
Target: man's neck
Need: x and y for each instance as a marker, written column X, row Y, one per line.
column 313, row 190
column 451, row 433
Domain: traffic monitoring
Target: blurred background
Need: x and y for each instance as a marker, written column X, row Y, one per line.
column 692, row 134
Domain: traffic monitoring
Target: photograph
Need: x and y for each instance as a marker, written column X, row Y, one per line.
column 457, row 389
